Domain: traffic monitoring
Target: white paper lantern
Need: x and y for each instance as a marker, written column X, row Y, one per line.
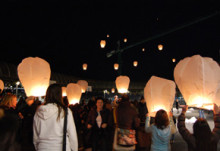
column 1, row 85
column 159, row 93
column 174, row 60
column 83, row 84
column 125, row 39
column 160, row 47
column 84, row 66
column 34, row 74
column 73, row 92
column 116, row 66
column 102, row 43
column 135, row 63
column 198, row 79
column 122, row 84
column 63, row 91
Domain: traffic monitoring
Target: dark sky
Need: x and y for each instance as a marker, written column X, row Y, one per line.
column 67, row 34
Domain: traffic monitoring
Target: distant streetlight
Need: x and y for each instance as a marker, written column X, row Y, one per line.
column 17, row 83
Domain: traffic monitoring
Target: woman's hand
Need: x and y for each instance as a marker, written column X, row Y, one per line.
column 104, row 125
column 184, row 109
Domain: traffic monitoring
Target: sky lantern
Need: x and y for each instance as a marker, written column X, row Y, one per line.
column 83, row 84
column 102, row 43
column 34, row 74
column 125, row 39
column 74, row 93
column 198, row 80
column 173, row 60
column 107, row 36
column 113, row 90
column 116, row 66
column 135, row 63
column 122, row 84
column 84, row 66
column 1, row 85
column 63, row 91
column 160, row 47
column 143, row 49
column 159, row 93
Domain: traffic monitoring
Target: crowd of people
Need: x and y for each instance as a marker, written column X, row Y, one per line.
column 99, row 125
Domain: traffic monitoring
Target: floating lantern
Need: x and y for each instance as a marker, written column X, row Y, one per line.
column 107, row 36
column 159, row 93
column 122, row 84
column 113, row 90
column 84, row 66
column 125, row 39
column 116, row 66
column 83, row 84
column 143, row 49
column 1, row 86
column 135, row 63
column 63, row 91
column 198, row 80
column 102, row 43
column 160, row 47
column 34, row 74
column 174, row 60
column 73, row 92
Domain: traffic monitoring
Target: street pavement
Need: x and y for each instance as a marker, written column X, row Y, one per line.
column 179, row 144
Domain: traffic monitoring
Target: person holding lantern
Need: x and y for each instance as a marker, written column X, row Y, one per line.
column 48, row 123
column 161, row 130
column 202, row 139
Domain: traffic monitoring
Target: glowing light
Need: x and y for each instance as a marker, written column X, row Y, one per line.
column 63, row 91
column 125, row 39
column 143, row 49
column 34, row 74
column 83, row 84
column 84, row 66
column 160, row 47
column 102, row 43
column 1, row 85
column 122, row 84
column 113, row 90
column 174, row 60
column 135, row 63
column 116, row 66
column 74, row 93
column 107, row 36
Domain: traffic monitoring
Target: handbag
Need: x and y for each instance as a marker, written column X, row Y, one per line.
column 124, row 139
column 65, row 129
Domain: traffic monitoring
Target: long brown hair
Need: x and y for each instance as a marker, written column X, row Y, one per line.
column 54, row 95
column 7, row 100
column 202, row 134
column 161, row 119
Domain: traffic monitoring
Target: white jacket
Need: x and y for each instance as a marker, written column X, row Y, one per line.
column 48, row 131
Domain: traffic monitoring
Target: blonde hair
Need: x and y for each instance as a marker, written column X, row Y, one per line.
column 7, row 99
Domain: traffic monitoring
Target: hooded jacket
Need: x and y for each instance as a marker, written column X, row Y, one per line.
column 48, row 130
column 160, row 137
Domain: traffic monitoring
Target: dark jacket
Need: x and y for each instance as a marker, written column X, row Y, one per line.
column 127, row 116
column 190, row 139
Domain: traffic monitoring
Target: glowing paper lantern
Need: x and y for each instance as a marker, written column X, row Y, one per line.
column 160, row 47
column 34, row 74
column 198, row 80
column 125, row 39
column 122, row 84
column 143, row 49
column 113, row 90
column 84, row 66
column 159, row 93
column 83, row 84
column 63, row 91
column 174, row 60
column 107, row 35
column 1, row 85
column 73, row 92
column 116, row 66
column 102, row 43
column 135, row 63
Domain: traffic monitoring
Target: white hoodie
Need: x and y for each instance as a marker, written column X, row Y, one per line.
column 48, row 131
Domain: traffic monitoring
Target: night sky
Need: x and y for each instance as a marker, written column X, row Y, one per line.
column 67, row 34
